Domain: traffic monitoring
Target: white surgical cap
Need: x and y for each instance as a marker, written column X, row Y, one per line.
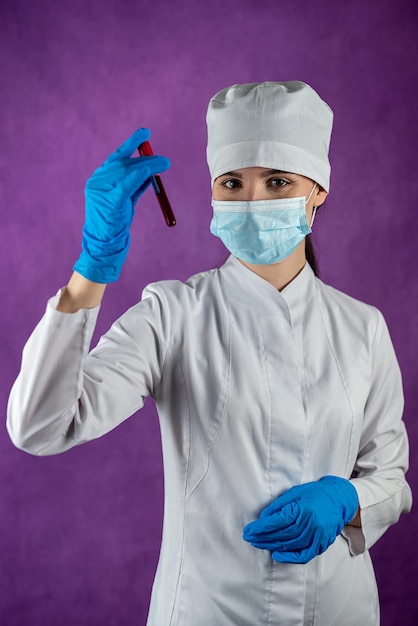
column 283, row 126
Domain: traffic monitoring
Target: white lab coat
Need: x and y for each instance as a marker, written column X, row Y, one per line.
column 257, row 390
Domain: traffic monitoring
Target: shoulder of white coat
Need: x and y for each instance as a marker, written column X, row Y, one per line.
column 171, row 292
column 170, row 306
column 355, row 315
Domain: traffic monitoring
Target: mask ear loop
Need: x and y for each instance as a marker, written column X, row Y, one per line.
column 313, row 216
column 314, row 208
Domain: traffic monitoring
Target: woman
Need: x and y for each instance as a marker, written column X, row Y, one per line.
column 280, row 398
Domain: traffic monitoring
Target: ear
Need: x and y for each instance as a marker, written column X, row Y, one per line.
column 319, row 196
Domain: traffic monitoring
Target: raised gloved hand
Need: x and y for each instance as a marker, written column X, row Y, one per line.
column 305, row 520
column 111, row 194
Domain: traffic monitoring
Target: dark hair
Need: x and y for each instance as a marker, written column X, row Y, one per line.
column 310, row 254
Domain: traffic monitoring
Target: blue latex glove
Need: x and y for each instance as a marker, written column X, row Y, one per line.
column 305, row 520
column 111, row 194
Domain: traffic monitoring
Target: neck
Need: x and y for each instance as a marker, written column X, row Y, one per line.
column 281, row 274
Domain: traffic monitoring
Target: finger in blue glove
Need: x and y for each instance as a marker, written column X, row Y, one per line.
column 129, row 146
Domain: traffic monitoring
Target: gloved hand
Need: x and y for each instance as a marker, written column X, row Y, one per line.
column 111, row 194
column 305, row 520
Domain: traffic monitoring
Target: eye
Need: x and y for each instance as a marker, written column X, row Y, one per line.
column 277, row 182
column 231, row 183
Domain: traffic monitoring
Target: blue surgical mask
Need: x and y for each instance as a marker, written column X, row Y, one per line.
column 261, row 232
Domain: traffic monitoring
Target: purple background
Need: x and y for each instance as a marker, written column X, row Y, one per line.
column 80, row 532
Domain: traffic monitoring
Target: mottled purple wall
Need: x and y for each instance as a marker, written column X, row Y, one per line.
column 79, row 533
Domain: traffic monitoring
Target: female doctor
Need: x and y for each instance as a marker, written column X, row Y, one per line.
column 279, row 397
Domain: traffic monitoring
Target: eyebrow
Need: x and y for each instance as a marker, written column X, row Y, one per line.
column 263, row 174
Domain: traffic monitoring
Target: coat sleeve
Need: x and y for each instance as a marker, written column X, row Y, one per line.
column 379, row 472
column 64, row 395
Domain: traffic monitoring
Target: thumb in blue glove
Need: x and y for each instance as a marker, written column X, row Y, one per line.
column 111, row 194
column 305, row 520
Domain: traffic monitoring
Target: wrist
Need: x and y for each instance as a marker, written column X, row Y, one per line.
column 356, row 521
column 80, row 293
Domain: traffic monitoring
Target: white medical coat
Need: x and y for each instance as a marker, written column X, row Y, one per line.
column 257, row 390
